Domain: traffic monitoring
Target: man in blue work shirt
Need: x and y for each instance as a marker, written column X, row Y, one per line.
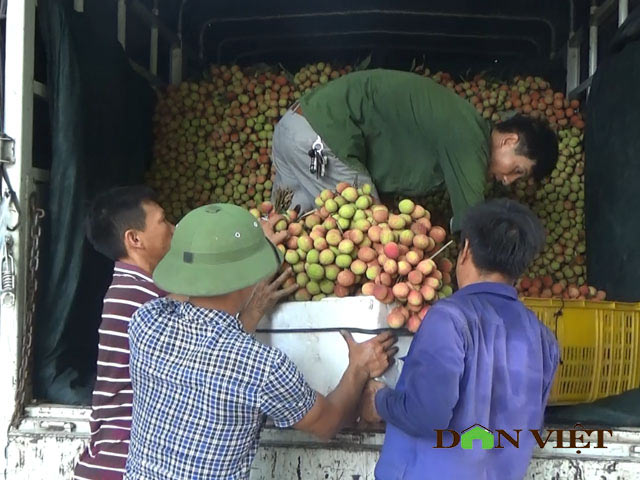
column 479, row 357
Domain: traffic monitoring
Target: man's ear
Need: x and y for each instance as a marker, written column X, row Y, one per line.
column 510, row 139
column 132, row 240
column 465, row 253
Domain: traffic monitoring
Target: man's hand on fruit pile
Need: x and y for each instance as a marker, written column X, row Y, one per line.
column 268, row 227
column 368, row 412
column 266, row 295
column 371, row 358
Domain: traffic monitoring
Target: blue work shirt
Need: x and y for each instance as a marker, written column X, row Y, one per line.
column 479, row 357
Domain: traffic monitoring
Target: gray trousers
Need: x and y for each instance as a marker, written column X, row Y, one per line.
column 292, row 140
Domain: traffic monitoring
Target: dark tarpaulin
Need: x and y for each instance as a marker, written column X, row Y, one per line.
column 612, row 177
column 612, row 168
column 618, row 411
column 101, row 137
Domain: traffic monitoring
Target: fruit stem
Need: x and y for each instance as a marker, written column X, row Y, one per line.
column 447, row 245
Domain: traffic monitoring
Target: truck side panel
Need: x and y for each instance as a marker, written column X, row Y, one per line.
column 18, row 124
column 290, row 455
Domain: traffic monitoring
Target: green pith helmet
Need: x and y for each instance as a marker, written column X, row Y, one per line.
column 216, row 249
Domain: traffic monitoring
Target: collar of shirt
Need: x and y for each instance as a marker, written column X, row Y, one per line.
column 134, row 270
column 489, row 287
column 202, row 315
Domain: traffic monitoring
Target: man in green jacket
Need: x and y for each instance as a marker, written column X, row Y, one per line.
column 406, row 134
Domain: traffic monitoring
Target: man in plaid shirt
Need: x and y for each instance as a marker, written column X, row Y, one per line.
column 202, row 384
column 127, row 225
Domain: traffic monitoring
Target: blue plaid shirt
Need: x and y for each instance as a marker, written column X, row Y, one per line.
column 202, row 388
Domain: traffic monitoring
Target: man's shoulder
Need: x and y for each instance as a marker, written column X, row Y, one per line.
column 452, row 307
column 129, row 281
column 128, row 292
column 149, row 311
column 462, row 310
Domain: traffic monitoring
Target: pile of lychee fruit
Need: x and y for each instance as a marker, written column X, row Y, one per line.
column 351, row 246
column 213, row 144
column 545, row 287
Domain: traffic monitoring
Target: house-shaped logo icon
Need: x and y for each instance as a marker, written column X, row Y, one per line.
column 477, row 432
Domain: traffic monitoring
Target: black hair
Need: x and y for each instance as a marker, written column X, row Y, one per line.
column 112, row 213
column 536, row 141
column 504, row 236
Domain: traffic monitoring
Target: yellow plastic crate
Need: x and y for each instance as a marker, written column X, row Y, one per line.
column 599, row 347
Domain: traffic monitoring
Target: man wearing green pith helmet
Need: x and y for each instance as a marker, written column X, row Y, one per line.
column 405, row 134
column 202, row 385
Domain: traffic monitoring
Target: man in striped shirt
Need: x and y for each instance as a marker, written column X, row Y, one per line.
column 127, row 225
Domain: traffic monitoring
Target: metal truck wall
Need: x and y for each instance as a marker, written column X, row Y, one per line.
column 288, row 455
column 101, row 136
column 459, row 36
column 612, row 168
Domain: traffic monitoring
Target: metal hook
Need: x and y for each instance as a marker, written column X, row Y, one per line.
column 12, row 197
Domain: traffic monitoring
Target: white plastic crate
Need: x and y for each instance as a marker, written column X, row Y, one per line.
column 323, row 356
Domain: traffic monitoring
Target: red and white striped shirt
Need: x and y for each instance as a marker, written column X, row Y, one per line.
column 106, row 456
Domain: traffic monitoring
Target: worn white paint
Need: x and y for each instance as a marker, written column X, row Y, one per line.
column 312, row 464
column 47, row 457
column 293, row 455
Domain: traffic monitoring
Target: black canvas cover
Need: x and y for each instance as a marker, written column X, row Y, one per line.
column 101, row 115
column 612, row 168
